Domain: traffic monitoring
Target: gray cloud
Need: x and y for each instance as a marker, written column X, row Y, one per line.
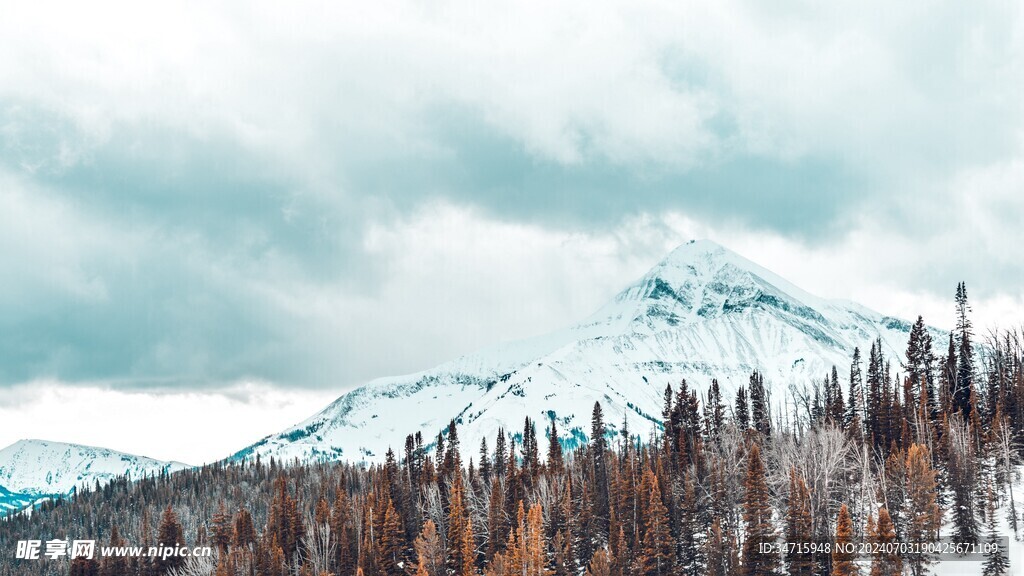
column 190, row 205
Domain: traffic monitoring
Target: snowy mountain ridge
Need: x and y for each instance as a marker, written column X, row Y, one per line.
column 35, row 469
column 703, row 312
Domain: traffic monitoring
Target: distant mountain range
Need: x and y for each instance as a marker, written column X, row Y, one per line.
column 703, row 312
column 33, row 470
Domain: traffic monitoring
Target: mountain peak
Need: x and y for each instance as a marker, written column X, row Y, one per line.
column 703, row 312
column 705, row 278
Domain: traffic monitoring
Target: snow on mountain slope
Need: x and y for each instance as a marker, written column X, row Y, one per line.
column 703, row 312
column 30, row 469
column 13, row 501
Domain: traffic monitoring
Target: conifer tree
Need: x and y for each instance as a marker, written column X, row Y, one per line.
column 341, row 532
column 742, row 409
column 390, row 545
column 760, row 412
column 855, row 399
column 798, row 526
column 429, row 549
column 997, row 561
column 757, row 519
column 169, row 535
column 600, row 486
column 895, row 491
column 965, row 354
column 717, row 550
column 656, row 554
column 500, row 453
column 485, row 462
column 554, row 447
column 923, row 514
column 564, row 560
column 600, row 564
column 948, row 379
column 688, row 529
column 842, row 557
column 920, row 358
column 836, row 410
column 458, row 519
column 451, row 464
column 875, row 409
column 244, row 534
column 220, row 524
column 534, row 552
column 566, row 547
column 496, row 525
column 467, row 550
column 531, row 453
column 114, row 565
column 512, row 559
column 715, row 410
column 885, row 561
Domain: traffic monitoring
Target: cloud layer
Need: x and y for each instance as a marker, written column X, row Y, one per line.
column 195, row 196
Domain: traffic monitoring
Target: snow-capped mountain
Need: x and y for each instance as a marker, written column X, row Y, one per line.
column 703, row 312
column 34, row 469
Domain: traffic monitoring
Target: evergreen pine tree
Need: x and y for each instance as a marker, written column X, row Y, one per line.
column 458, row 519
column 855, row 399
column 997, row 562
column 390, row 546
column 798, row 526
column 760, row 411
column 923, row 514
column 429, row 549
column 554, row 447
column 965, row 354
column 600, row 564
column 885, row 561
column 757, row 519
column 599, row 444
column 169, row 535
column 656, row 554
column 742, row 409
column 114, row 565
column 842, row 556
column 715, row 410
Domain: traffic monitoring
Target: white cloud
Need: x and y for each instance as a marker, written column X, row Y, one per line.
column 629, row 83
column 193, row 427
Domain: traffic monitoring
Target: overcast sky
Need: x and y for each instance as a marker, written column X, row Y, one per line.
column 214, row 219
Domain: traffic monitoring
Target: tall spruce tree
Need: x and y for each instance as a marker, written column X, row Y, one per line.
column 554, row 447
column 757, row 519
column 742, row 414
column 656, row 555
column 799, row 560
column 760, row 409
column 886, row 561
column 842, row 556
column 169, row 536
column 923, row 514
column 599, row 445
column 920, row 358
column 965, row 354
